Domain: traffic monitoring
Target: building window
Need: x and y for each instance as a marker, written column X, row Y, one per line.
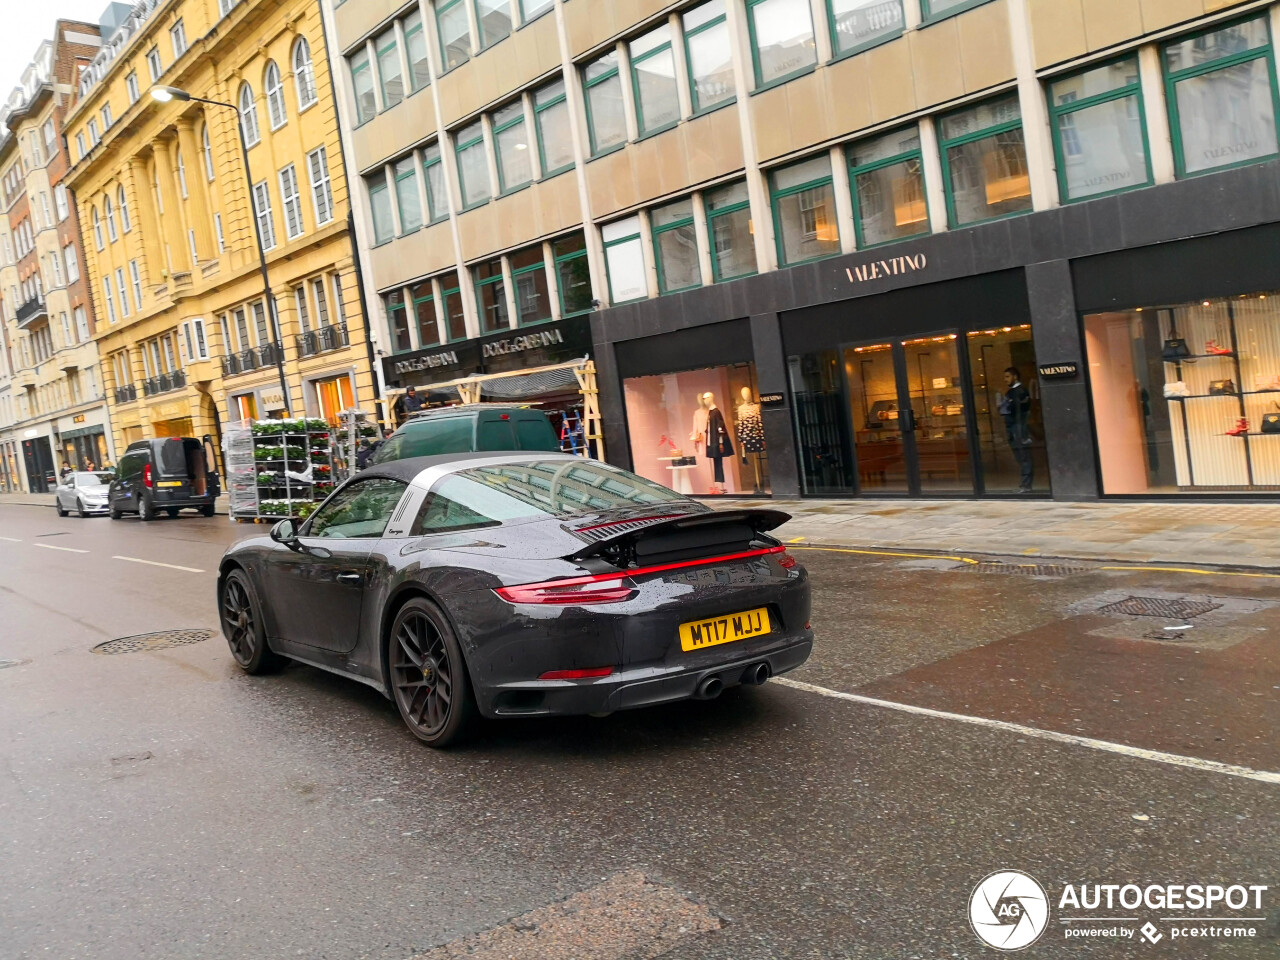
column 397, row 321
column 675, row 246
column 511, row 143
column 73, row 262
column 304, row 315
column 451, row 295
column 322, row 302
column 109, row 212
column 424, row 312
column 362, row 85
column 153, row 63
column 606, row 119
column 262, row 210
column 136, row 281
column 408, row 204
column 110, row 299
column 248, row 115
column 274, row 91
column 178, row 34
column 1221, row 89
column 217, row 229
column 123, row 291
column 339, row 313
column 555, row 141
column 455, row 32
column 573, row 274
column 529, row 276
column 82, row 323
column 291, row 202
column 859, row 24
column 984, row 162
column 653, row 77
column 97, row 230
column 94, row 136
column 782, row 44
column 491, row 297
column 304, row 74
column 56, row 262
column 182, row 176
column 624, row 260
column 125, row 223
column 473, row 165
column 207, row 150
column 107, row 118
column 433, row 171
column 1100, row 140
column 131, row 86
column 709, row 55
column 384, row 228
column 887, row 180
column 804, row 211
column 494, row 17
column 415, row 42
column 81, row 149
column 321, row 189
column 534, row 8
column 390, row 74
column 50, row 138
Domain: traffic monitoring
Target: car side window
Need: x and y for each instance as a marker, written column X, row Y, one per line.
column 440, row 514
column 361, row 510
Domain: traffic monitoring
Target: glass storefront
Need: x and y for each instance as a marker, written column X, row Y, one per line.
column 699, row 432
column 1186, row 398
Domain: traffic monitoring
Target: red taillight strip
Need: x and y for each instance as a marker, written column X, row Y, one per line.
column 642, row 571
column 591, row 673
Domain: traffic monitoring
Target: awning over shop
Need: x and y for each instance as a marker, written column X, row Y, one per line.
column 81, row 432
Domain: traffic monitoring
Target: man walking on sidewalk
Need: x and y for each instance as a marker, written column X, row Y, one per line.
column 1015, row 407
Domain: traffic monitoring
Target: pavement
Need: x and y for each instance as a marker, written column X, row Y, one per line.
column 955, row 719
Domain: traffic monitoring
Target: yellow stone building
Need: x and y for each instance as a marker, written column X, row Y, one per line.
column 184, row 329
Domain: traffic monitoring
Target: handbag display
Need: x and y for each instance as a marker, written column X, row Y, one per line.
column 1271, row 423
column 1175, row 389
column 1175, row 348
column 1222, row 388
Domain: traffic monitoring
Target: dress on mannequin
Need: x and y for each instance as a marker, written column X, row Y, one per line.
column 750, row 428
column 718, row 444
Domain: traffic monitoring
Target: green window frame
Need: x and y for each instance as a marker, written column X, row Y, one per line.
column 415, row 42
column 658, row 230
column 501, row 126
column 691, row 34
column 362, row 75
column 760, row 82
column 459, row 148
column 443, row 9
column 661, row 48
column 380, row 205
column 539, row 8
column 397, row 321
column 496, row 6
column 566, row 261
column 437, row 201
column 588, row 83
column 946, row 8
column 489, row 274
column 837, row 53
column 451, row 289
column 635, row 238
column 386, row 43
column 529, row 269
column 946, row 145
column 777, row 195
column 1173, row 77
column 857, row 170
column 408, row 201
column 419, row 299
column 715, row 213
column 550, row 97
column 1059, row 112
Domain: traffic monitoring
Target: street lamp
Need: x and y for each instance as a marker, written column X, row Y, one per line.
column 163, row 94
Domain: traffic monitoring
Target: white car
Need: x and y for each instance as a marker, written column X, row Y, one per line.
column 83, row 491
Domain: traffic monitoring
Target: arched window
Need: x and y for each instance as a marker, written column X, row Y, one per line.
column 125, row 223
column 110, row 212
column 275, row 96
column 208, row 153
column 97, row 229
column 248, row 115
column 304, row 74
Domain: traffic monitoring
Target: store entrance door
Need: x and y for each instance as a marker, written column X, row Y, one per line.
column 911, row 426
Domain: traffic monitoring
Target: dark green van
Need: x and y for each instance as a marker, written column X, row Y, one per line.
column 469, row 429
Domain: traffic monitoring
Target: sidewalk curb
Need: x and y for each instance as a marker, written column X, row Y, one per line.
column 47, row 504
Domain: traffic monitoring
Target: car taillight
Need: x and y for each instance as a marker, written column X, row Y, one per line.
column 786, row 561
column 588, row 674
column 603, row 588
column 146, row 475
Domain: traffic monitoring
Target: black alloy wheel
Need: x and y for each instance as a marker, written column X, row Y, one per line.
column 112, row 511
column 428, row 675
column 242, row 625
column 146, row 512
column 57, row 502
column 80, row 508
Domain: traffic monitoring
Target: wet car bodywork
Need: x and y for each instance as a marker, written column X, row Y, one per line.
column 565, row 608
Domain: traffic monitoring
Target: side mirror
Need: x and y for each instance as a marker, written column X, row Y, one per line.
column 286, row 532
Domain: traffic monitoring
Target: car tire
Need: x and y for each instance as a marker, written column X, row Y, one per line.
column 172, row 511
column 57, row 503
column 113, row 513
column 146, row 511
column 437, row 705
column 207, row 511
column 240, row 614
column 80, row 508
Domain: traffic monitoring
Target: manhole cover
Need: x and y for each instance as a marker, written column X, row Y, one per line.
column 1024, row 569
column 152, row 641
column 1159, row 607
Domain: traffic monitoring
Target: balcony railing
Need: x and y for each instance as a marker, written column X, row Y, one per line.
column 31, row 311
column 164, row 383
column 231, row 365
column 126, row 394
column 326, row 338
column 255, row 358
column 269, row 354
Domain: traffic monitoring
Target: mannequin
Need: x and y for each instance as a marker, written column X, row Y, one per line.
column 719, row 445
column 750, row 429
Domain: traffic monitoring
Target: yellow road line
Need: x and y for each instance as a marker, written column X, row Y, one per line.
column 885, row 553
column 1203, row 573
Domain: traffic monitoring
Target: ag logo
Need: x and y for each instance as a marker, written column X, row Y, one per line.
column 1008, row 910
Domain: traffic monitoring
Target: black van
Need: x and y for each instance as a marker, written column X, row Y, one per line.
column 467, row 429
column 168, row 473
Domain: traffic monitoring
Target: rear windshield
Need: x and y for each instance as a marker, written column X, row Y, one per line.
column 428, row 438
column 556, row 488
column 173, row 457
column 536, row 433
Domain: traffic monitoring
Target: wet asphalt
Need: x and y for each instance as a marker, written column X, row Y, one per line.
column 163, row 805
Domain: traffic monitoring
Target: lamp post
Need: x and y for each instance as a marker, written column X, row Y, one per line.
column 163, row 94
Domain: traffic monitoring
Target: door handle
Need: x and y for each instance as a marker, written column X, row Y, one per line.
column 350, row 578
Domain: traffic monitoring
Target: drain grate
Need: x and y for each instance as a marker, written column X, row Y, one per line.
column 152, row 641
column 1024, row 569
column 1159, row 607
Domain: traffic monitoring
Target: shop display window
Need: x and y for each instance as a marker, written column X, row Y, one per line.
column 699, row 432
column 1186, row 398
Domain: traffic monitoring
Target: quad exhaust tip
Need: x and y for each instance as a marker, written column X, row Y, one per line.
column 710, row 688
column 757, row 673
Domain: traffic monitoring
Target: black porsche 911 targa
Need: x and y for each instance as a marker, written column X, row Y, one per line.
column 518, row 585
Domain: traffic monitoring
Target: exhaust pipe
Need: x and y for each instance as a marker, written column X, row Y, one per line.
column 757, row 673
column 710, row 688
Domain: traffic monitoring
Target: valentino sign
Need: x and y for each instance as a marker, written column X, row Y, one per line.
column 531, row 341
column 893, row 267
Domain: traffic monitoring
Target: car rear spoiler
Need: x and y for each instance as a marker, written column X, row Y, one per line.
column 680, row 533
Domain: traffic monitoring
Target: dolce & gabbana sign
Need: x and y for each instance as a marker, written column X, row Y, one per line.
column 432, row 361
column 530, row 341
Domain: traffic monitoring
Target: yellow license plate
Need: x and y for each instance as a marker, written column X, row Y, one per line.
column 726, row 629
column 169, row 483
